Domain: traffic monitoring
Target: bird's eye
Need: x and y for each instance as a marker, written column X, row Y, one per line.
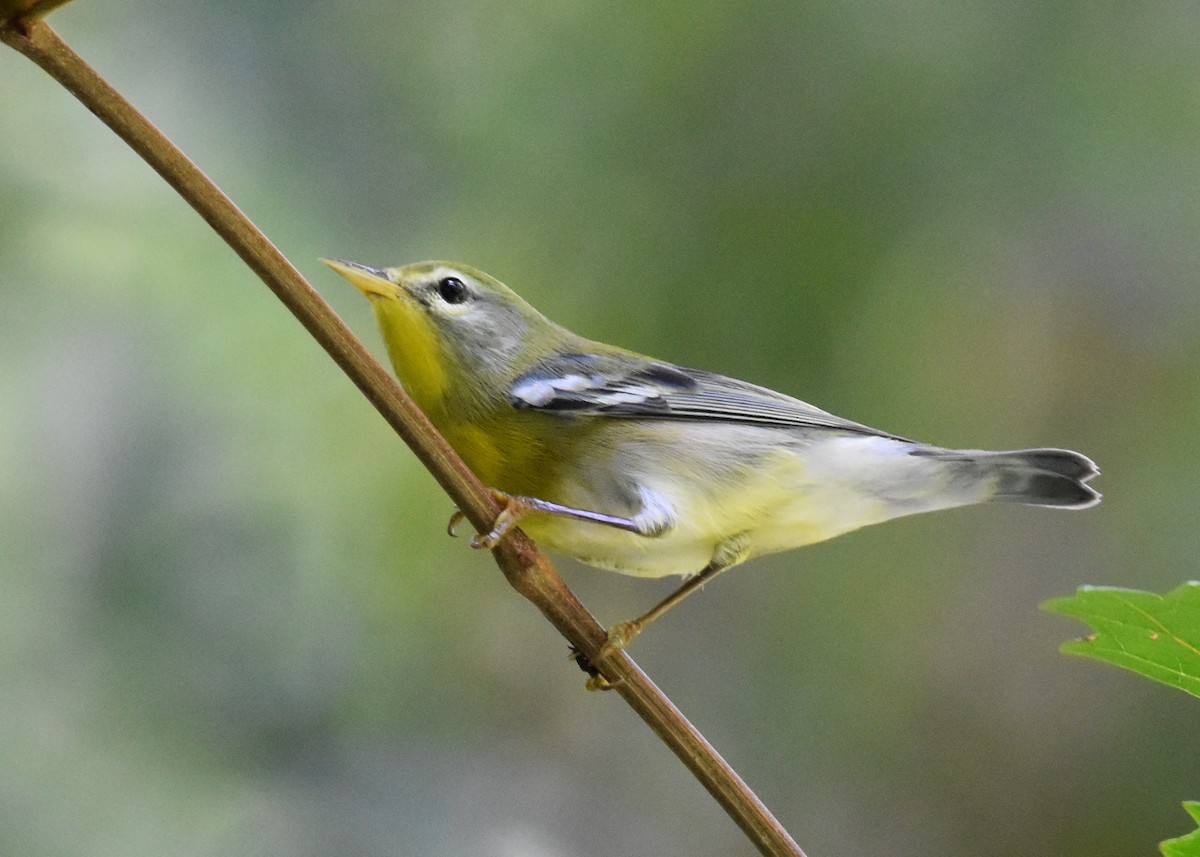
column 452, row 289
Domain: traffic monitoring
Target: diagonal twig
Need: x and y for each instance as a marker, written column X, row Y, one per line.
column 529, row 572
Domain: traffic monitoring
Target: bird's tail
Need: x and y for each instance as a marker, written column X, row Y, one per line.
column 1032, row 477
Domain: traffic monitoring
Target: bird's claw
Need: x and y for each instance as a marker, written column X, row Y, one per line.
column 619, row 636
column 513, row 509
column 480, row 541
column 600, row 682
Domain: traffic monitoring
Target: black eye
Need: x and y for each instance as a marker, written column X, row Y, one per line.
column 452, row 289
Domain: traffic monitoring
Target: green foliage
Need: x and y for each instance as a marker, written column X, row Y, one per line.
column 1188, row 845
column 1155, row 635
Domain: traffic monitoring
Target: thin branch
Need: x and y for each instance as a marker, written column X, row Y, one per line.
column 15, row 10
column 529, row 572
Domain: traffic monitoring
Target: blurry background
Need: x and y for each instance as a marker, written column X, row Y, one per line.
column 230, row 622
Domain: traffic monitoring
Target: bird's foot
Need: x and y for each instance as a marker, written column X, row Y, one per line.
column 512, row 510
column 619, row 636
column 596, row 679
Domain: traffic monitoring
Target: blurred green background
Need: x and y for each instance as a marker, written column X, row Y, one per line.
column 230, row 622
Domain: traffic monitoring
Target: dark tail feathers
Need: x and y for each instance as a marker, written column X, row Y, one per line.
column 1034, row 477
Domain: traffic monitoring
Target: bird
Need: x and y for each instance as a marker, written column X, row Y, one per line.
column 641, row 466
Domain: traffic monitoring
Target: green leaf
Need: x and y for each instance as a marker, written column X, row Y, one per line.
column 1188, row 845
column 1155, row 635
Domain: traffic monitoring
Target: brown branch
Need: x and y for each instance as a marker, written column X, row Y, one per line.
column 16, row 10
column 529, row 572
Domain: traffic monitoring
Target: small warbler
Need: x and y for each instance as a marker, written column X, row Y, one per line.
column 639, row 466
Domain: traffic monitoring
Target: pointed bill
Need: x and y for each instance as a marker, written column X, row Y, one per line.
column 372, row 282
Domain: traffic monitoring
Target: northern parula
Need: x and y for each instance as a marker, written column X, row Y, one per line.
column 640, row 466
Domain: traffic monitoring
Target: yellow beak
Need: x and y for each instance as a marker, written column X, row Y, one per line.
column 372, row 282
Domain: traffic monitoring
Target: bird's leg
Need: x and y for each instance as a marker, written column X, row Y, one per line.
column 621, row 633
column 728, row 554
column 515, row 507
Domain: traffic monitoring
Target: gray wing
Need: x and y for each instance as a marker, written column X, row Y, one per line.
column 618, row 386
